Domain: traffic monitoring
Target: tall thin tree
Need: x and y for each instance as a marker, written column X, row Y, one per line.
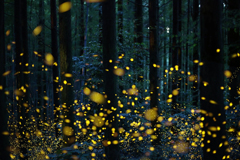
column 233, row 49
column 66, row 74
column 55, row 68
column 212, row 103
column 21, row 60
column 154, row 64
column 110, row 79
column 176, row 52
column 4, row 138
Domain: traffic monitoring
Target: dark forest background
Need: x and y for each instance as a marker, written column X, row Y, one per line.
column 119, row 80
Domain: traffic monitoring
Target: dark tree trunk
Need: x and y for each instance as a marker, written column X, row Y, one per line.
column 138, row 23
column 120, row 22
column 66, row 75
column 4, row 133
column 110, row 79
column 211, row 73
column 55, row 68
column 154, row 65
column 195, row 15
column 82, row 28
column 100, row 23
column 233, row 49
column 21, row 61
column 41, row 75
column 176, row 52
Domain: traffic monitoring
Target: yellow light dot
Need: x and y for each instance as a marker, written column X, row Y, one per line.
column 149, row 131
column 68, row 75
column 169, row 100
column 203, row 98
column 97, row 97
column 45, row 98
column 86, row 91
column 175, row 92
column 98, row 121
column 227, row 73
column 37, row 30
column 151, row 148
column 7, row 32
column 68, row 131
column 115, row 142
column 131, row 59
column 119, row 71
column 176, row 67
column 110, row 61
column 9, row 47
column 90, row 148
column 127, row 68
column 218, row 50
column 49, row 60
column 195, row 61
column 6, row 73
column 191, row 78
column 64, row 7
column 205, row 83
column 151, row 114
column 213, row 102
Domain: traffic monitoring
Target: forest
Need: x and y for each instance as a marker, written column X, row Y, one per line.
column 119, row 79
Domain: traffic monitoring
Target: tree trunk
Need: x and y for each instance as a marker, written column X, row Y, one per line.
column 55, row 68
column 154, row 62
column 4, row 138
column 195, row 15
column 21, row 61
column 120, row 22
column 233, row 49
column 212, row 103
column 42, row 74
column 110, row 79
column 66, row 75
column 176, row 53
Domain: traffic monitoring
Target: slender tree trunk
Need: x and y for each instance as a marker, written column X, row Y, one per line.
column 233, row 49
column 195, row 15
column 21, row 39
column 82, row 28
column 41, row 75
column 154, row 61
column 110, row 79
column 212, row 105
column 66, row 75
column 4, row 138
column 55, row 68
column 176, row 52
column 120, row 22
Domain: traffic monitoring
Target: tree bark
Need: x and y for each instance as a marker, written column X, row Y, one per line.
column 110, row 79
column 21, row 60
column 154, row 65
column 233, row 49
column 212, row 103
column 66, row 69
column 4, row 133
column 55, row 68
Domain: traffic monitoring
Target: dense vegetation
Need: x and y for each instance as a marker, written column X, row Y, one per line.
column 125, row 79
